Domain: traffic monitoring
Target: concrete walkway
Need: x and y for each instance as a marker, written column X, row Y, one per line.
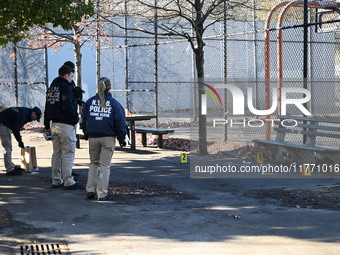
column 198, row 216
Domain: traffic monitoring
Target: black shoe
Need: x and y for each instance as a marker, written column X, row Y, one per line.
column 18, row 168
column 75, row 174
column 57, row 186
column 106, row 198
column 90, row 195
column 14, row 172
column 75, row 186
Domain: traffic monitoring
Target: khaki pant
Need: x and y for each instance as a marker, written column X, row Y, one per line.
column 64, row 147
column 101, row 151
column 6, row 142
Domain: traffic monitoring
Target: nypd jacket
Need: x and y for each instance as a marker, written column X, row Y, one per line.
column 15, row 118
column 100, row 122
column 61, row 105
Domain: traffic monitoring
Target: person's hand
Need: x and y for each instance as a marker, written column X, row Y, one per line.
column 122, row 144
column 21, row 145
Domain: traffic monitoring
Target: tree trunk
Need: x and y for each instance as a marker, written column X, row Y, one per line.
column 202, row 126
column 77, row 56
column 199, row 58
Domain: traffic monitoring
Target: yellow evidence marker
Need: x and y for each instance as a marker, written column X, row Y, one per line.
column 184, row 157
column 259, row 157
column 306, row 170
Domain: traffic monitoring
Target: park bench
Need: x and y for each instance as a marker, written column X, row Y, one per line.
column 155, row 131
column 307, row 129
column 143, row 130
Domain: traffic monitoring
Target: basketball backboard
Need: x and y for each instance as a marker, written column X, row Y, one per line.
column 327, row 20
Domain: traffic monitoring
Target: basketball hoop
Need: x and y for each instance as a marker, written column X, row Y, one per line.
column 327, row 20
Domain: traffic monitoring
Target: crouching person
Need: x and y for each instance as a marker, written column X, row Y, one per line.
column 11, row 121
column 103, row 120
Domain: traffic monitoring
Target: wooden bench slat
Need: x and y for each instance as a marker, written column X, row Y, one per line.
column 154, row 130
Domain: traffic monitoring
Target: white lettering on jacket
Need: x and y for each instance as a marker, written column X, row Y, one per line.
column 97, row 111
column 53, row 95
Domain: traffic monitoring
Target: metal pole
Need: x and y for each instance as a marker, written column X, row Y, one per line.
column 156, row 63
column 310, row 69
column 267, row 63
column 46, row 66
column 305, row 43
column 16, row 75
column 305, row 51
column 126, row 55
column 225, row 60
column 255, row 55
column 97, row 44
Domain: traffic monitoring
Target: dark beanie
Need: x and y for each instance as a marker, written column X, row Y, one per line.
column 70, row 64
column 38, row 112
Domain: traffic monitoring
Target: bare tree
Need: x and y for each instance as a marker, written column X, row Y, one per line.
column 187, row 19
column 55, row 37
column 87, row 30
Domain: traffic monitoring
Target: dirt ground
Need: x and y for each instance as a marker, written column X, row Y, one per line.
column 317, row 198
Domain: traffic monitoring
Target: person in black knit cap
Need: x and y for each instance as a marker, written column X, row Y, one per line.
column 77, row 91
column 78, row 94
column 61, row 117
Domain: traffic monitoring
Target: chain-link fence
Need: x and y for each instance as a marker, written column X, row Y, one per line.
column 22, row 81
column 154, row 74
column 159, row 75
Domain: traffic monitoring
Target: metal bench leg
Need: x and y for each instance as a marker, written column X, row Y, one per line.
column 78, row 142
column 160, row 141
column 144, row 142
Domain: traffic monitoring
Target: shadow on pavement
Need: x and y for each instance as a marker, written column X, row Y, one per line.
column 212, row 210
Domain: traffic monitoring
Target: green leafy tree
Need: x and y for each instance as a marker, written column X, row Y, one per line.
column 46, row 23
column 18, row 16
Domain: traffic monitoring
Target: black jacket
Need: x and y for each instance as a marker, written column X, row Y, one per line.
column 61, row 105
column 15, row 118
